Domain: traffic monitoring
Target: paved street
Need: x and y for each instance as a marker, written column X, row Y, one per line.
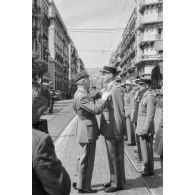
column 61, row 126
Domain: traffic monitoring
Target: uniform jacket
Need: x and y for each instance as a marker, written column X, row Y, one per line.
column 128, row 102
column 87, row 127
column 112, row 119
column 135, row 105
column 146, row 112
column 48, row 175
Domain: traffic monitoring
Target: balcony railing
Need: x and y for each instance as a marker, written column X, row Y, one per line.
column 144, row 3
column 159, row 56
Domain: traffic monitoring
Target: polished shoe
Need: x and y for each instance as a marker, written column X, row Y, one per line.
column 87, row 191
column 146, row 174
column 74, row 185
column 113, row 189
column 106, row 185
column 128, row 144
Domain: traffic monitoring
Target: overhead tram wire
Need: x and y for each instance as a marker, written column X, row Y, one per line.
column 95, row 30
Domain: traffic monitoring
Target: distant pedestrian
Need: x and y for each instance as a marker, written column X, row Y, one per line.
column 145, row 126
column 53, row 94
column 87, row 131
column 49, row 177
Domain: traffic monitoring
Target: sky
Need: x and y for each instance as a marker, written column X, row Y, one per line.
column 95, row 48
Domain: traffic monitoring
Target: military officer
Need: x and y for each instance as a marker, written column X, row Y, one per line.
column 87, row 130
column 112, row 127
column 128, row 97
column 136, row 97
column 145, row 126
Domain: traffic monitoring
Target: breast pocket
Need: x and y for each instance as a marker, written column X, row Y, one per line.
column 92, row 131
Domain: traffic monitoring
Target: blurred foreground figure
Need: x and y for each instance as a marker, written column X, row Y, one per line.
column 49, row 177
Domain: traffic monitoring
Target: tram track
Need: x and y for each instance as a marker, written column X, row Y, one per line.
column 147, row 188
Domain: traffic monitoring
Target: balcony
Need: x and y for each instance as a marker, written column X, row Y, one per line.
column 151, row 57
column 144, row 3
column 144, row 23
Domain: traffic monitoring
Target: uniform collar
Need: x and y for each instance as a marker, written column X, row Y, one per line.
column 82, row 91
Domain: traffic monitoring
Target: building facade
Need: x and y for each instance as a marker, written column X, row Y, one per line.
column 149, row 36
column 59, row 41
column 141, row 48
column 40, row 26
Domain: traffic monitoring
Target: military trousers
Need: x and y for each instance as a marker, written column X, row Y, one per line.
column 130, row 131
column 115, row 151
column 85, row 165
column 137, row 141
column 146, row 144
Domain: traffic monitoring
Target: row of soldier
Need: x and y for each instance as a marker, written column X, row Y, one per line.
column 128, row 116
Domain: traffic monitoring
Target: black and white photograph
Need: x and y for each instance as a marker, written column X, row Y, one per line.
column 97, row 97
column 104, row 78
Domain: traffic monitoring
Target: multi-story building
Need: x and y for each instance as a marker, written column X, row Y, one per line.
column 40, row 25
column 149, row 36
column 125, row 55
column 141, row 48
column 59, row 41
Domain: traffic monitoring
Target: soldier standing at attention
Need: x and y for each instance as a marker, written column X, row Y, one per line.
column 87, row 131
column 112, row 127
column 128, row 96
column 145, row 126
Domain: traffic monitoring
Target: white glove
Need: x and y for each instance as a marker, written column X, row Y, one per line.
column 105, row 95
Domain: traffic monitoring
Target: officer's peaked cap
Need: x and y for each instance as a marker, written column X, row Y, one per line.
column 80, row 76
column 109, row 69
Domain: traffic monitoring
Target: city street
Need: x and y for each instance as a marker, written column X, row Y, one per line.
column 61, row 128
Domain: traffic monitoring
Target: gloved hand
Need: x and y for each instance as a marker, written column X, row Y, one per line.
column 105, row 95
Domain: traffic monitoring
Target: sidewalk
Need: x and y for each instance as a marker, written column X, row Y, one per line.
column 67, row 149
column 59, row 119
column 62, row 122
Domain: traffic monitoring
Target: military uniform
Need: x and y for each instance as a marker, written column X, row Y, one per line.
column 87, row 133
column 128, row 100
column 145, row 130
column 134, row 115
column 112, row 127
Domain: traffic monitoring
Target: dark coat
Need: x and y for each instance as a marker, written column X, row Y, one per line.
column 112, row 121
column 87, row 127
column 48, row 174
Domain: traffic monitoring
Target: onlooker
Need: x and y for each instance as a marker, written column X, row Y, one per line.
column 52, row 100
column 49, row 177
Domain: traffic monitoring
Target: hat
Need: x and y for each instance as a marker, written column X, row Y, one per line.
column 80, row 76
column 109, row 69
column 127, row 82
